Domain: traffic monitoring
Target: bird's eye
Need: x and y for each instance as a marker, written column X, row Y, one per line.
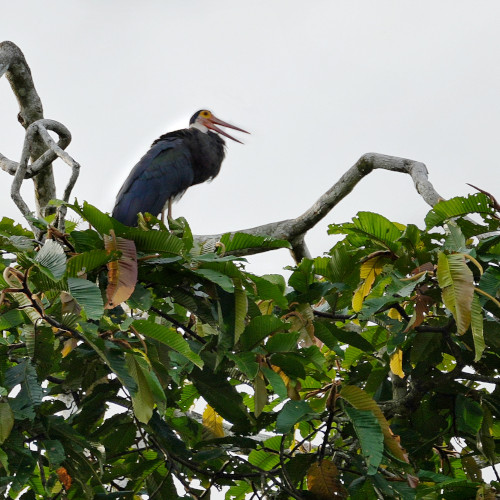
column 205, row 114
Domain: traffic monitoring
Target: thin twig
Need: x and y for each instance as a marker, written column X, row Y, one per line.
column 178, row 324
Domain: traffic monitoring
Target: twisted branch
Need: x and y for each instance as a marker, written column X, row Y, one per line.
column 23, row 170
column 38, row 143
column 13, row 64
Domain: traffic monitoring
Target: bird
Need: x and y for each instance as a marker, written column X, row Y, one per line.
column 176, row 161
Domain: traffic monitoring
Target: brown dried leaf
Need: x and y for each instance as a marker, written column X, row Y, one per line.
column 64, row 477
column 423, row 305
column 322, row 480
column 427, row 267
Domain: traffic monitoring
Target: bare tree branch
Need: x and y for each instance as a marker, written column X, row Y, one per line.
column 294, row 230
column 23, row 170
column 13, row 64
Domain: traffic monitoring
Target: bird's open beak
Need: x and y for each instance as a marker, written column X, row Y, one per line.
column 212, row 123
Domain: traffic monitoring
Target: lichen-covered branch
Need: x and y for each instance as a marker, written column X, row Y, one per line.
column 39, row 130
column 294, row 230
column 13, row 64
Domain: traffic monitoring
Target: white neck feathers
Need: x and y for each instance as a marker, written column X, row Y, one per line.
column 199, row 126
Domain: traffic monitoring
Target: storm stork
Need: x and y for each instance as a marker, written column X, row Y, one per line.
column 176, row 161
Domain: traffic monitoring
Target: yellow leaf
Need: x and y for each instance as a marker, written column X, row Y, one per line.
column 69, row 345
column 266, row 307
column 368, row 272
column 397, row 363
column 394, row 314
column 323, row 482
column 213, row 422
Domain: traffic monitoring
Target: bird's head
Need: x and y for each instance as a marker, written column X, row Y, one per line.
column 204, row 120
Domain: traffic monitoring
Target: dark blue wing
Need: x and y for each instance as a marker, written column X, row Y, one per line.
column 163, row 172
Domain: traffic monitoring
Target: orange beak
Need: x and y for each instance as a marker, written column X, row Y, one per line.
column 212, row 122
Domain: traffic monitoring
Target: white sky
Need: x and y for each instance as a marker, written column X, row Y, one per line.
column 317, row 83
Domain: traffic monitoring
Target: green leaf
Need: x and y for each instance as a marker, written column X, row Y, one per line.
column 458, row 206
column 329, row 334
column 469, row 415
column 86, row 262
column 55, row 452
column 141, row 298
column 338, row 266
column 224, row 281
column 211, row 385
column 30, row 395
column 142, row 400
column 263, row 459
column 111, row 355
column 290, row 363
column 87, row 240
column 52, row 260
column 11, row 318
column 490, row 283
column 455, row 240
column 358, row 398
column 239, row 241
column 6, row 421
column 291, row 413
column 102, row 222
column 259, row 328
column 276, row 382
column 477, row 327
column 302, row 277
column 268, row 289
column 457, row 287
column 153, row 241
column 283, row 342
column 370, row 437
column 370, row 228
column 260, row 394
column 88, row 295
column 240, row 308
column 168, row 336
column 246, row 362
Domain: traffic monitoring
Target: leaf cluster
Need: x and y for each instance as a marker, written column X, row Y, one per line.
column 135, row 361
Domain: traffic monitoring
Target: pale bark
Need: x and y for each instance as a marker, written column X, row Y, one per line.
column 13, row 64
column 294, row 230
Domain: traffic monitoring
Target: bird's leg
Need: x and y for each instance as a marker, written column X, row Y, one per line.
column 169, row 213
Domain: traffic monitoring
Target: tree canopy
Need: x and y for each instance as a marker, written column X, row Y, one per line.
column 368, row 375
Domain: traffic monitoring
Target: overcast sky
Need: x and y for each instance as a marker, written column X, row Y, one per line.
column 317, row 83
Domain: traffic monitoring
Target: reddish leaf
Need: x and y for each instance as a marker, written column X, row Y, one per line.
column 122, row 273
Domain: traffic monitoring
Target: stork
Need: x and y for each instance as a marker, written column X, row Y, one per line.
column 176, row 161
